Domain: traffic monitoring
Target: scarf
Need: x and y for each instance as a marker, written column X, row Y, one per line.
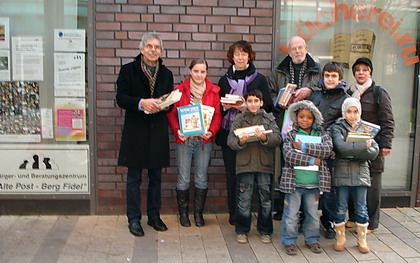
column 301, row 72
column 148, row 73
column 358, row 90
column 238, row 87
column 197, row 91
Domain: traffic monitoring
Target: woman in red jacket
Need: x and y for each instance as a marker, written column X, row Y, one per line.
column 196, row 89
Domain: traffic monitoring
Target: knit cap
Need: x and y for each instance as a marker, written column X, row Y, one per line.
column 362, row 60
column 351, row 102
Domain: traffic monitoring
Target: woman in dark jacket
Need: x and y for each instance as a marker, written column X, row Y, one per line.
column 376, row 108
column 241, row 77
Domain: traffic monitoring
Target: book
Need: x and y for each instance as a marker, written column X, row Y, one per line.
column 232, row 99
column 307, row 139
column 191, row 121
column 357, row 136
column 208, row 112
column 367, row 127
column 346, row 48
column 168, row 99
column 250, row 130
column 284, row 95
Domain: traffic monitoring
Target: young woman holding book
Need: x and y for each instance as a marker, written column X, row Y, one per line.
column 196, row 89
column 240, row 78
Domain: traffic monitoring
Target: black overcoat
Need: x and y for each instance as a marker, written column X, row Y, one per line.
column 145, row 139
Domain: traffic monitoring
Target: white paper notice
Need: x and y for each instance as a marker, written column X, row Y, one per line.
column 4, row 33
column 4, row 65
column 27, row 57
column 69, row 74
column 72, row 40
column 47, row 123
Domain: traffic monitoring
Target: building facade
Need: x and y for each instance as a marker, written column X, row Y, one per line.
column 61, row 127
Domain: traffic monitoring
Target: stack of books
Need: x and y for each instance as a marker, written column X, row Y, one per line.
column 250, row 130
column 363, row 131
column 234, row 100
column 284, row 96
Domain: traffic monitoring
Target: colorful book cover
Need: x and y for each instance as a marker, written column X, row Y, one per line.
column 191, row 121
column 368, row 128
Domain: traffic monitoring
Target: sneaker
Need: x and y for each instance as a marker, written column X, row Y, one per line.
column 329, row 232
column 351, row 224
column 266, row 239
column 242, row 238
column 371, row 230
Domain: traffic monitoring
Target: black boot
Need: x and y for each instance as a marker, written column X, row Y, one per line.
column 183, row 198
column 200, row 196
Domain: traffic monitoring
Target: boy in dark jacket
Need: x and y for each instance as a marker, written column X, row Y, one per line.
column 254, row 163
column 304, row 175
column 329, row 100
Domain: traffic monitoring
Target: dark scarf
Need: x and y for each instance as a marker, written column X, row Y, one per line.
column 148, row 73
column 301, row 72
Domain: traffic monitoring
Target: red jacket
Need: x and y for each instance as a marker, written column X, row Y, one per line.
column 210, row 98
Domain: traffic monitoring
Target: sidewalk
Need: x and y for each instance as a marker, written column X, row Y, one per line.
column 44, row 239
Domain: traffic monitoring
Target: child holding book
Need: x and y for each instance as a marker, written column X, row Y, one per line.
column 304, row 175
column 329, row 100
column 254, row 164
column 196, row 89
column 351, row 174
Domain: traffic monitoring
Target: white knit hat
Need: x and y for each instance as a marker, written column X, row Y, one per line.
column 351, row 102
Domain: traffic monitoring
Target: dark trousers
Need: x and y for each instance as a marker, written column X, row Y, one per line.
column 373, row 201
column 134, row 196
column 229, row 158
column 328, row 206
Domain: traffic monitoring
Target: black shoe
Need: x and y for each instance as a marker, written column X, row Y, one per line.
column 157, row 224
column 277, row 216
column 232, row 220
column 135, row 228
column 329, row 233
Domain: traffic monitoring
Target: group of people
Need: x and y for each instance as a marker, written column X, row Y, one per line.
column 331, row 169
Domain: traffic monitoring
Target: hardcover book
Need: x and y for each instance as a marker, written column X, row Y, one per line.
column 233, row 99
column 208, row 112
column 191, row 121
column 368, row 128
column 284, row 96
column 357, row 137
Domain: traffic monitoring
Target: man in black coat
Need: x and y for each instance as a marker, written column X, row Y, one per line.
column 145, row 139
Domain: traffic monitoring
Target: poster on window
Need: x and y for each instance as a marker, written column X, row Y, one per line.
column 4, row 65
column 70, row 119
column 69, row 40
column 27, row 58
column 69, row 74
column 4, row 33
column 20, row 119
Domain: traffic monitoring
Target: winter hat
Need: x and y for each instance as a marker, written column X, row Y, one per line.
column 351, row 102
column 362, row 60
column 305, row 104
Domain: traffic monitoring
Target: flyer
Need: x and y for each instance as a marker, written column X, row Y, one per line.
column 69, row 40
column 4, row 33
column 70, row 119
column 4, row 65
column 69, row 74
column 27, row 57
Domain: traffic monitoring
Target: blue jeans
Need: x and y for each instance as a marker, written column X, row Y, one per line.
column 245, row 189
column 358, row 194
column 289, row 224
column 184, row 155
column 133, row 193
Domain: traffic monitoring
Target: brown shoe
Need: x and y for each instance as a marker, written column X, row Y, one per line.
column 290, row 249
column 242, row 238
column 266, row 239
column 315, row 247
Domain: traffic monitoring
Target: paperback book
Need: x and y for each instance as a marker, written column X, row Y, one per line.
column 169, row 99
column 367, row 127
column 250, row 130
column 232, row 99
column 307, row 139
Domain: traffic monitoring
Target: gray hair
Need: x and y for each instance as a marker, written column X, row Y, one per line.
column 150, row 35
column 296, row 37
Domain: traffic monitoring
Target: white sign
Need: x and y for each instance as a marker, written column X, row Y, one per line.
column 27, row 56
column 69, row 74
column 70, row 40
column 44, row 169
column 4, row 65
column 47, row 123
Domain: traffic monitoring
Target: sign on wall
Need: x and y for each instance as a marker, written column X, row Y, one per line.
column 44, row 169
